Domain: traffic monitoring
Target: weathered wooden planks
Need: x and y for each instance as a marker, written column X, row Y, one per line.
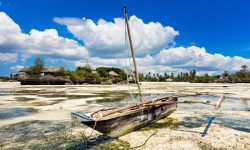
column 128, row 120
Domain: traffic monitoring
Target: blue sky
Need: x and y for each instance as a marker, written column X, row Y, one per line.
column 218, row 26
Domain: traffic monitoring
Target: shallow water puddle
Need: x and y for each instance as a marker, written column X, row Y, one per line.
column 4, row 94
column 7, row 113
column 122, row 98
column 237, row 123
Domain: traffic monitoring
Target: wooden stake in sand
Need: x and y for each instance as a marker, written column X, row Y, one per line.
column 219, row 101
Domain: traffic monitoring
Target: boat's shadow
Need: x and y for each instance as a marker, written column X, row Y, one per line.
column 92, row 142
column 101, row 142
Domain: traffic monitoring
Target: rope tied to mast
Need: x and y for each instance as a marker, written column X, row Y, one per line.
column 132, row 52
column 128, row 65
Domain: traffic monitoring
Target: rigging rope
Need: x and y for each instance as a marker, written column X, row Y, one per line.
column 145, row 141
column 128, row 66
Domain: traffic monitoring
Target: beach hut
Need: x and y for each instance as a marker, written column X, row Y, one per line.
column 52, row 70
column 113, row 74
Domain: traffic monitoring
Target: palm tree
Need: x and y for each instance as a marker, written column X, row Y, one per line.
column 244, row 68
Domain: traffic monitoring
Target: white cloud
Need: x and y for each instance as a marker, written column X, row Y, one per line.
column 8, row 57
column 106, row 39
column 49, row 43
column 197, row 58
column 176, row 60
column 11, row 39
column 16, row 68
column 46, row 43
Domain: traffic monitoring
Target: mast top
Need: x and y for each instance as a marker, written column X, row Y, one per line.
column 125, row 9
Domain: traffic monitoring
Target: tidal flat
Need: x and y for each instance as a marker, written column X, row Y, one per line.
column 38, row 117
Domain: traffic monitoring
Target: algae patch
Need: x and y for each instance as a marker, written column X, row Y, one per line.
column 113, row 145
column 39, row 135
column 167, row 122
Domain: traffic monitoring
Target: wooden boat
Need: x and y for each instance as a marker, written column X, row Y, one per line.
column 119, row 121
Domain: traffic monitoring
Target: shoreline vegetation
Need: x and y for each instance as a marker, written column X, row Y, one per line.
column 39, row 74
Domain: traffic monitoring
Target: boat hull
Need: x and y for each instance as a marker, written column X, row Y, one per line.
column 121, row 125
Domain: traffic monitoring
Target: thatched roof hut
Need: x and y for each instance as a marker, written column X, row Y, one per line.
column 25, row 69
column 51, row 69
column 113, row 73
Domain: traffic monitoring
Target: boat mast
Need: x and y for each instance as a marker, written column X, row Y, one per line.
column 132, row 51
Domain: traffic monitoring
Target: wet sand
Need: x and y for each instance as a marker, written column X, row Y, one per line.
column 37, row 117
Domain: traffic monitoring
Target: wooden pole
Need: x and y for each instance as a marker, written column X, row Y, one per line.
column 133, row 54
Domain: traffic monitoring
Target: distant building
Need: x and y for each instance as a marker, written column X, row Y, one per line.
column 169, row 80
column 130, row 74
column 87, row 65
column 113, row 74
column 45, row 71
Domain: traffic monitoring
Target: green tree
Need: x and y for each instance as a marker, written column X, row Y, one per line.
column 91, row 77
column 39, row 64
column 148, row 77
column 225, row 74
column 37, row 68
column 243, row 74
column 192, row 75
column 74, row 76
column 172, row 76
column 123, row 75
column 233, row 78
column 244, row 68
column 141, row 77
column 158, row 76
column 166, row 76
column 162, row 78
column 87, row 69
column 102, row 71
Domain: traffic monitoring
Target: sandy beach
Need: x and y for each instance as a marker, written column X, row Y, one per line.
column 37, row 117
